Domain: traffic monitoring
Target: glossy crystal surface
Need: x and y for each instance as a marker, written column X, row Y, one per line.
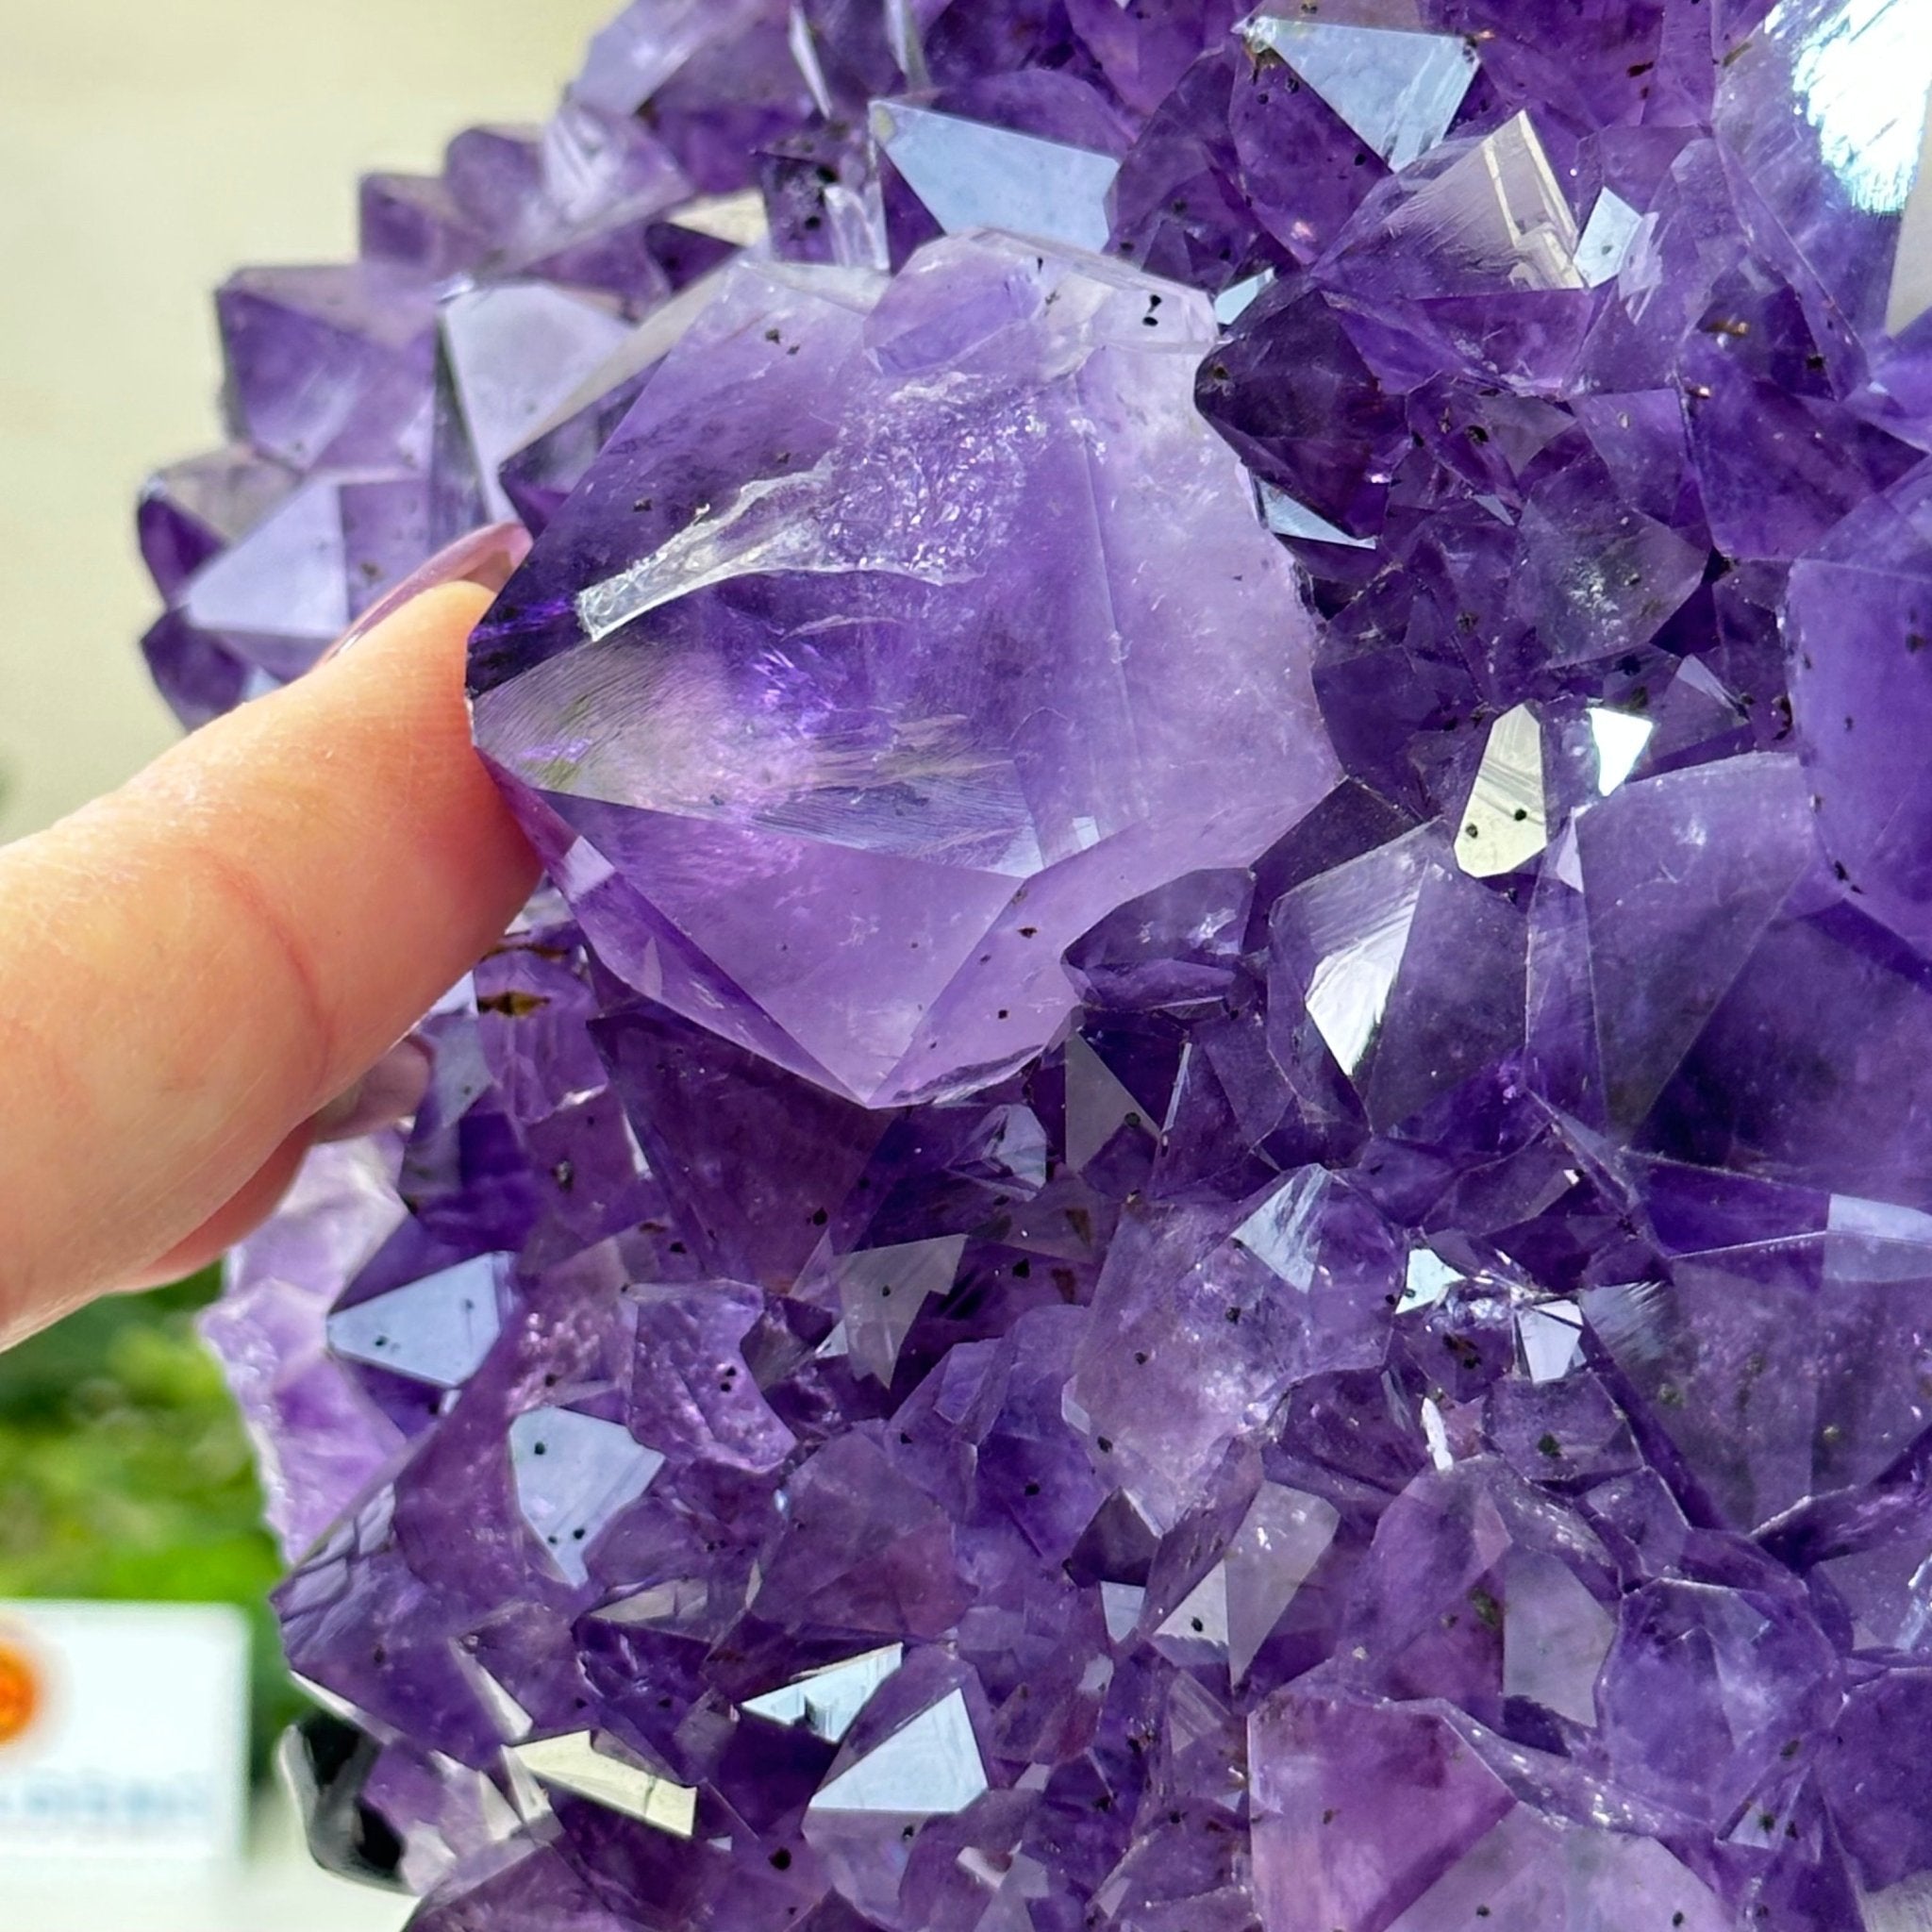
column 1201, row 1201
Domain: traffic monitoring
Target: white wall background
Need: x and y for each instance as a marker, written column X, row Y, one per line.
column 146, row 146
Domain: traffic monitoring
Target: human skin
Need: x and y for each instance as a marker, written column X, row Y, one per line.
column 202, row 969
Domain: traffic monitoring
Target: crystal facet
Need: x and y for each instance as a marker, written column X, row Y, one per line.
column 918, row 828
column 1200, row 1202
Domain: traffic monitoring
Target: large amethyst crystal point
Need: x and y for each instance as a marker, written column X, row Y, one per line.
column 838, row 724
column 1203, row 1200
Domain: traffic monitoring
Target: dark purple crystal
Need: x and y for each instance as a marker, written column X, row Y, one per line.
column 1202, row 1201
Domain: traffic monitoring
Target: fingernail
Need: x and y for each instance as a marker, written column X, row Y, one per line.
column 486, row 557
column 391, row 1090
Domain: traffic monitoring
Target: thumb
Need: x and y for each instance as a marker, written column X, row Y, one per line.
column 192, row 966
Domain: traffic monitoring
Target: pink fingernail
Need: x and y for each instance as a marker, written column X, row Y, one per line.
column 486, row 557
column 391, row 1090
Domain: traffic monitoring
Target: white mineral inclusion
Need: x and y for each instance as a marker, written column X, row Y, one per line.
column 575, row 1473
column 825, row 1701
column 929, row 1768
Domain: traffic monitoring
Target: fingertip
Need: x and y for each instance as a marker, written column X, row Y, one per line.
column 200, row 962
column 238, row 1218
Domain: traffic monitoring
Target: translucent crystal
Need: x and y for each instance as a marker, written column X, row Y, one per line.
column 970, row 175
column 436, row 1330
column 577, row 1765
column 1398, row 91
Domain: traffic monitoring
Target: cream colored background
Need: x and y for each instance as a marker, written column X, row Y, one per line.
column 146, row 146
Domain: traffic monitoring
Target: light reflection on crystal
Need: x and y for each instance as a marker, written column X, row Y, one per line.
column 1121, row 1604
column 1860, row 71
column 1281, row 1540
column 1427, row 1279
column 805, row 51
column 1238, row 297
column 586, row 1767
column 1504, row 824
column 1369, row 908
column 513, row 1722
column 1398, row 91
column 1551, row 1338
column 1196, row 1631
column 1555, row 1636
column 515, row 352
column 1436, row 1433
column 907, row 42
column 828, row 1700
column 971, row 176
column 1607, row 237
column 1534, row 1875
column 1497, row 215
column 1880, row 1221
column 287, row 579
column 1288, row 518
column 437, row 1330
column 574, row 1476
column 739, row 219
column 1911, row 275
column 882, row 1291
column 1621, row 741
column 680, row 1600
column 1281, row 1232
column 928, row 1768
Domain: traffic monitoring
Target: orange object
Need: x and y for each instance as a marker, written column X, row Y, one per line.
column 20, row 1694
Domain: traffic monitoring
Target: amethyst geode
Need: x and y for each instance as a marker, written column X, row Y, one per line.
column 1203, row 1199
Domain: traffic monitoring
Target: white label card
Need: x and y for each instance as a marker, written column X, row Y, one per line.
column 123, row 1731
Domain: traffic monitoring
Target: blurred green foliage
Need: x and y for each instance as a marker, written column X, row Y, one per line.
column 125, row 1475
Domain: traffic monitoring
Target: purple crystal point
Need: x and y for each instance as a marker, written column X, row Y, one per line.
column 1858, row 690
column 1823, row 111
column 319, row 1438
column 1201, row 1201
column 856, row 703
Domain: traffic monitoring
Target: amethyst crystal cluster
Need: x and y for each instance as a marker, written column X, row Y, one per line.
column 1204, row 1198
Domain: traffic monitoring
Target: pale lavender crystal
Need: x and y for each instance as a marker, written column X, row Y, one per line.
column 1201, row 1201
column 935, row 683
column 318, row 1438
